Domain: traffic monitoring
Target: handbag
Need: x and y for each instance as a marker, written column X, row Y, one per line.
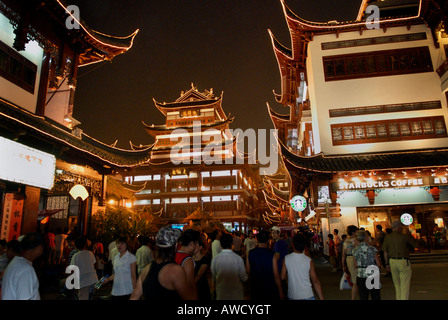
column 345, row 282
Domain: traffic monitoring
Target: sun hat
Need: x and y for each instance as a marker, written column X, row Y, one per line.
column 166, row 237
column 276, row 229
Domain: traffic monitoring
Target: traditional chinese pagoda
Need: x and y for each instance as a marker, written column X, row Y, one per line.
column 195, row 164
column 364, row 136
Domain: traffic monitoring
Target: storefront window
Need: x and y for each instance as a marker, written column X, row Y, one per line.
column 369, row 218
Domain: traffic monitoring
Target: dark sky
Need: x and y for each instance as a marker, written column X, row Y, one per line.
column 219, row 44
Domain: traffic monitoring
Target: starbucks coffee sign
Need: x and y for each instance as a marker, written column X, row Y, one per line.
column 389, row 183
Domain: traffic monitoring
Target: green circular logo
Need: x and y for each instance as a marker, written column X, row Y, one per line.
column 298, row 203
column 406, row 219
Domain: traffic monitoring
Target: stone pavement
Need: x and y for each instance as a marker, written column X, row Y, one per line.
column 429, row 282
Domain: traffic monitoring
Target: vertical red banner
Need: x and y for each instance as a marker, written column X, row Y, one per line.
column 16, row 217
column 6, row 216
column 12, row 216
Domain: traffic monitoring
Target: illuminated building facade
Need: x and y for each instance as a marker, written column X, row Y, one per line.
column 44, row 153
column 195, row 164
column 365, row 137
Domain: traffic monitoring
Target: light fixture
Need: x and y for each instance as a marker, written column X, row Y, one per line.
column 79, row 191
column 71, row 121
column 71, row 83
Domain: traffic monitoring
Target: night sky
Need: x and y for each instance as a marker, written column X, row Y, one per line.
column 219, row 44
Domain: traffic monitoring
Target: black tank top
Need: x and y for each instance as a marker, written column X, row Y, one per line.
column 152, row 289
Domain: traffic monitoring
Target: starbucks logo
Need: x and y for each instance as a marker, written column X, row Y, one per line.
column 406, row 219
column 298, row 203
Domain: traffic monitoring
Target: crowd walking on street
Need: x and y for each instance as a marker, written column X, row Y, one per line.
column 272, row 264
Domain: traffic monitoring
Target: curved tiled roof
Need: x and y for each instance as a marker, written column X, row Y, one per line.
column 367, row 161
column 14, row 117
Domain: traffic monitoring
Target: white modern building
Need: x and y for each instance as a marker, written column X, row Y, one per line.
column 367, row 104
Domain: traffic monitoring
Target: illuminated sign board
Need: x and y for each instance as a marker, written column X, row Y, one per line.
column 22, row 164
column 79, row 191
column 406, row 219
column 298, row 203
column 389, row 183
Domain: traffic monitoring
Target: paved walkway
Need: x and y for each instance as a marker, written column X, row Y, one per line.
column 429, row 282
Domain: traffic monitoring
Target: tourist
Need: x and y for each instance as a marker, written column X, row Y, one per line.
column 316, row 244
column 378, row 243
column 98, row 248
column 3, row 257
column 143, row 254
column 124, row 276
column 50, row 246
column 202, row 267
column 337, row 248
column 348, row 264
column 111, row 252
column 228, row 272
column 300, row 272
column 366, row 258
column 98, row 252
column 163, row 279
column 20, row 281
column 280, row 249
column 184, row 255
column 332, row 252
column 249, row 244
column 3, row 244
column 216, row 244
column 59, row 244
column 12, row 250
column 237, row 243
column 85, row 261
column 69, row 250
column 396, row 254
column 264, row 282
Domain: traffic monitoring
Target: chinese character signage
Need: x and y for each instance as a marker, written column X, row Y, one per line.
column 12, row 216
column 22, row 164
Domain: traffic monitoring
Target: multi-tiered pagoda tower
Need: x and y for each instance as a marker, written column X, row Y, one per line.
column 195, row 164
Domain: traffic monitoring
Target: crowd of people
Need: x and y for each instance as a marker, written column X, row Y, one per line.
column 191, row 265
column 361, row 256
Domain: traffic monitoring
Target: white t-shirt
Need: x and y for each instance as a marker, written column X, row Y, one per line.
column 85, row 261
column 299, row 285
column 20, row 281
column 122, row 274
column 229, row 273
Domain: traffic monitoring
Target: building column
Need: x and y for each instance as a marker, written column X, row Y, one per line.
column 102, row 201
column 43, row 84
column 83, row 216
column 30, row 210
